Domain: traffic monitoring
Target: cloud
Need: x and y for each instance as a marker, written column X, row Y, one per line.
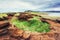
column 22, row 5
column 52, row 9
column 17, row 5
column 55, row 6
column 37, row 2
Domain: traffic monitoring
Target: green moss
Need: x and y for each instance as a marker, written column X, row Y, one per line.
column 33, row 25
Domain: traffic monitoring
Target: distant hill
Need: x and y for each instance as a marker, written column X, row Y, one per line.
column 53, row 11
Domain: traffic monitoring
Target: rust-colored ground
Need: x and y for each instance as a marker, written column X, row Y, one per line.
column 13, row 33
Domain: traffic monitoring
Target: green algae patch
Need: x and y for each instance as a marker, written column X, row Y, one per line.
column 33, row 25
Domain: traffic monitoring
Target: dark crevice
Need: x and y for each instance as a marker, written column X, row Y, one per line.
column 5, row 25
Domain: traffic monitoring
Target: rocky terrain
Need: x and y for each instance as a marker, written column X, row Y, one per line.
column 8, row 31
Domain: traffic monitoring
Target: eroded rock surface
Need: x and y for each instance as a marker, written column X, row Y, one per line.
column 10, row 32
column 24, row 16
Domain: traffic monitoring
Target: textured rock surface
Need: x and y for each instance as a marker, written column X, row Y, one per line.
column 10, row 32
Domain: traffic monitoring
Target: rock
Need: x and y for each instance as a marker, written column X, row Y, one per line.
column 25, row 16
column 4, row 27
column 19, row 33
column 16, row 32
column 57, row 36
column 3, row 32
column 5, row 18
column 26, row 35
column 58, row 21
column 1, row 19
column 35, row 37
column 11, row 14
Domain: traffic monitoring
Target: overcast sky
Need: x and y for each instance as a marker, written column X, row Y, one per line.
column 22, row 5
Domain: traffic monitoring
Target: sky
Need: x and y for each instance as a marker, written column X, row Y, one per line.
column 22, row 5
